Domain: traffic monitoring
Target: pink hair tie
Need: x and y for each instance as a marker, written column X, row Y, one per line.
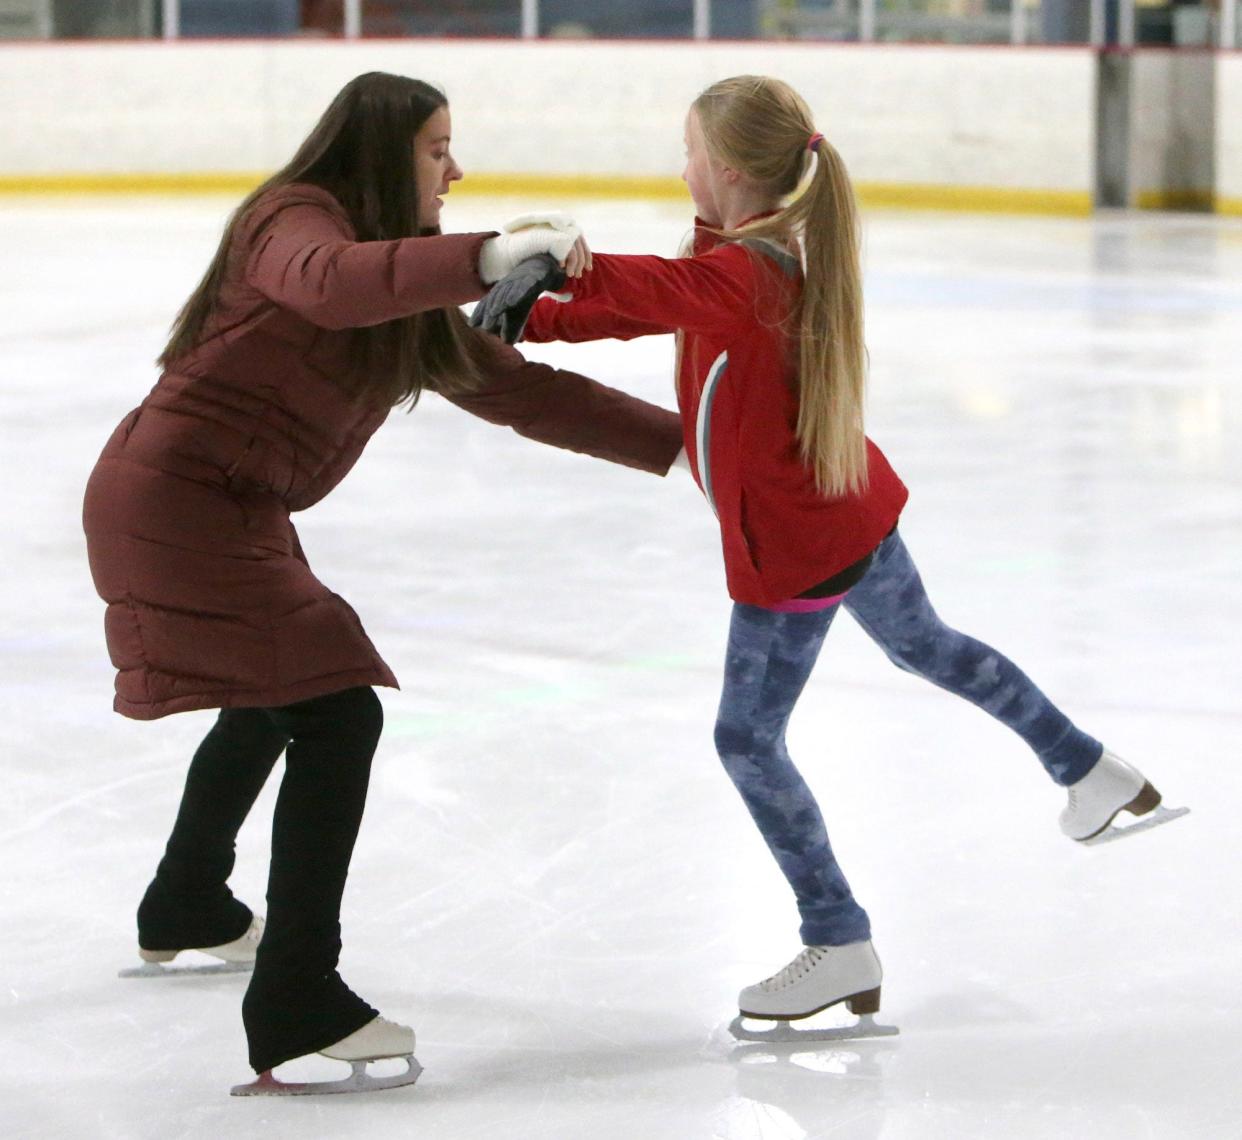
column 815, row 138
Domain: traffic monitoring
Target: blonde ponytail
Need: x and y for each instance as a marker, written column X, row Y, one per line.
column 832, row 352
column 760, row 127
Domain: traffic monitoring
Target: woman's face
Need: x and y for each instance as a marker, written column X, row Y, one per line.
column 434, row 167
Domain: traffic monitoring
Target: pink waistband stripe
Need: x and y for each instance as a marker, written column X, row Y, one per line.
column 804, row 605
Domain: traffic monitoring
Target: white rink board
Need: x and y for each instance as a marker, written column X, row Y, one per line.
column 902, row 115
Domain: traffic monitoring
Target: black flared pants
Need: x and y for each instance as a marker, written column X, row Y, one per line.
column 296, row 1002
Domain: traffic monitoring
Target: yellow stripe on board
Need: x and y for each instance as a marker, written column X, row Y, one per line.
column 979, row 199
column 975, row 199
column 1174, row 199
column 575, row 185
column 1228, row 205
column 234, row 183
column 982, row 199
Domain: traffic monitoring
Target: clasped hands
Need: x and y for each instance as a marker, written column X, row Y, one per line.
column 535, row 253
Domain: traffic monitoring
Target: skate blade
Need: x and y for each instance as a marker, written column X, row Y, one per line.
column 359, row 1080
column 784, row 1033
column 156, row 970
column 1113, row 832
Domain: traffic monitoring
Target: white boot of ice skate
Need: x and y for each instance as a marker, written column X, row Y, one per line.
column 819, row 977
column 1111, row 787
column 378, row 1040
column 235, row 957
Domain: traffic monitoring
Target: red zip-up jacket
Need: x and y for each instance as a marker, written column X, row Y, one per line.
column 737, row 391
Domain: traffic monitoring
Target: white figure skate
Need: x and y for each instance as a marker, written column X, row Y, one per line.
column 1111, row 787
column 236, row 957
column 819, row 977
column 378, row 1040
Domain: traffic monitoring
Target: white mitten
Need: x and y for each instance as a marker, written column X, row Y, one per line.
column 523, row 237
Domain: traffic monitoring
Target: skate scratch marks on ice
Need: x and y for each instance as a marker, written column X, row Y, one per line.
column 34, row 823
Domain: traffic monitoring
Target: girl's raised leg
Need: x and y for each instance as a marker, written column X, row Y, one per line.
column 892, row 606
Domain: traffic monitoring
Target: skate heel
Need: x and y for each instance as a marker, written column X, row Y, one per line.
column 157, row 955
column 1147, row 800
column 865, row 1002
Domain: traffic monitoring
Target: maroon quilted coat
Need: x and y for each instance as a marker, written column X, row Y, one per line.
column 210, row 601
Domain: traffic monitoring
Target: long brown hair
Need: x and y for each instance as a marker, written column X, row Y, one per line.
column 362, row 152
column 760, row 127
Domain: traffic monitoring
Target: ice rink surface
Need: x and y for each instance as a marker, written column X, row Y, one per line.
column 555, row 883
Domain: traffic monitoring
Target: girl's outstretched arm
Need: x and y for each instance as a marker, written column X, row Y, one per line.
column 580, row 320
column 707, row 293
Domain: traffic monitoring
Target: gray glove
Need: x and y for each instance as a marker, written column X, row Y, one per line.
column 504, row 310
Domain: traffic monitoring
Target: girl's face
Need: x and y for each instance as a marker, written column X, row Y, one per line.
column 434, row 166
column 702, row 175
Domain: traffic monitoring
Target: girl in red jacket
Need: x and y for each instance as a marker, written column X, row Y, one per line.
column 332, row 298
column 770, row 382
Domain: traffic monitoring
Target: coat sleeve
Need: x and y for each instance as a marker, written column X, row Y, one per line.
column 708, row 293
column 302, row 256
column 566, row 410
column 578, row 320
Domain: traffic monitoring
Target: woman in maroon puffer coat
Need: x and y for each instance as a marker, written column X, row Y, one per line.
column 332, row 298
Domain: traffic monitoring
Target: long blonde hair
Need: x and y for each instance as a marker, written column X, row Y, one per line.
column 760, row 127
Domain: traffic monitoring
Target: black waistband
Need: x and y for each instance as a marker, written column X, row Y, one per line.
column 842, row 580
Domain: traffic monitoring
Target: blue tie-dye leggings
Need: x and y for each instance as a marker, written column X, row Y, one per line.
column 770, row 657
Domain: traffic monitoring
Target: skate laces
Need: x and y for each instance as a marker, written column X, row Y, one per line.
column 798, row 969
